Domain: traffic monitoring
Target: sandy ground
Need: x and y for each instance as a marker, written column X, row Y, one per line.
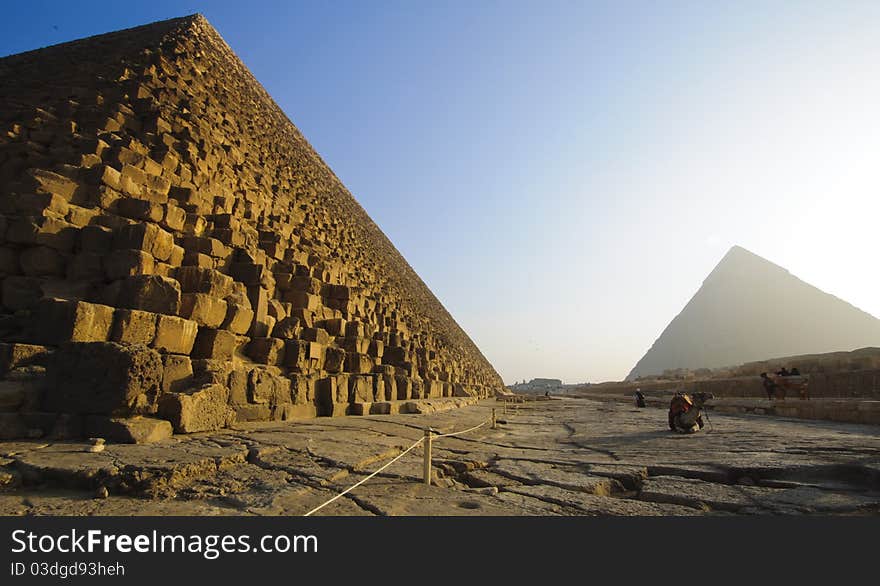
column 561, row 457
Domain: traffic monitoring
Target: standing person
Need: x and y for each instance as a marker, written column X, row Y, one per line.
column 639, row 398
column 769, row 385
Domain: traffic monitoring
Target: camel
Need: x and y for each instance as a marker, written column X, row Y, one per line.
column 686, row 412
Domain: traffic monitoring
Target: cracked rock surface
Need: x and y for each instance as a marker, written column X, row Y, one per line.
column 558, row 457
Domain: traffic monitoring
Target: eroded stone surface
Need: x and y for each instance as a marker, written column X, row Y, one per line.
column 562, row 457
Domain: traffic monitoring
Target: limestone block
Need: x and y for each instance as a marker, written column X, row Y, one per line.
column 335, row 327
column 376, row 348
column 260, row 305
column 266, row 351
column 360, row 389
column 303, row 300
column 120, row 264
column 133, row 430
column 404, row 387
column 302, row 388
column 318, row 335
column 292, row 412
column 175, row 334
column 354, row 344
column 238, row 386
column 358, row 363
column 354, row 329
column 139, row 209
column 194, row 279
column 132, row 326
column 250, row 412
column 95, row 238
column 214, row 344
column 334, row 360
column 16, row 355
column 150, row 293
column 176, row 258
column 147, row 237
column 177, row 373
column 60, row 320
column 174, row 218
column 48, row 182
column 103, row 378
column 202, row 409
column 197, row 259
column 286, row 329
column 86, row 266
column 238, row 318
column 41, row 261
column 203, row 309
column 306, row 284
column 326, row 392
column 417, row 389
column 267, row 388
column 21, row 292
column 379, row 393
column 34, row 204
column 247, row 273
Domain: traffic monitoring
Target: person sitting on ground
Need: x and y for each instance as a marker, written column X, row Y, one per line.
column 783, row 372
column 795, row 371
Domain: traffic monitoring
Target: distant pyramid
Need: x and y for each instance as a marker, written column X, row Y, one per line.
column 751, row 309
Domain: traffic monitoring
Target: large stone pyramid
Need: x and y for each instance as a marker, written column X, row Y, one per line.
column 171, row 246
column 751, row 309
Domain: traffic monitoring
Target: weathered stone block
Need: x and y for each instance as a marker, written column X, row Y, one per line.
column 133, row 430
column 286, row 329
column 360, row 389
column 214, row 344
column 103, row 378
column 41, row 261
column 358, row 363
column 303, row 356
column 120, row 264
column 150, row 293
column 303, row 300
column 334, row 360
column 59, row 320
column 203, row 309
column 290, row 412
column 251, row 412
column 15, row 355
column 238, row 318
column 175, row 334
column 266, row 351
column 147, row 237
column 177, row 373
column 194, row 279
column 132, row 326
column 86, row 266
column 203, row 409
column 95, row 238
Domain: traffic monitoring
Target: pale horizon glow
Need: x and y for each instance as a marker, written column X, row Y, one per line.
column 564, row 175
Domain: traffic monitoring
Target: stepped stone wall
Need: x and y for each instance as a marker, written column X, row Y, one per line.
column 172, row 248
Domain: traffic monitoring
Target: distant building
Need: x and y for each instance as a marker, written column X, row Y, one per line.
column 539, row 385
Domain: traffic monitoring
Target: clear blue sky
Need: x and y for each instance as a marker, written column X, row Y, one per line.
column 563, row 175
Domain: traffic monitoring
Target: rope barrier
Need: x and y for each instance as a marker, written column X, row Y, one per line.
column 436, row 437
column 401, row 455
column 357, row 484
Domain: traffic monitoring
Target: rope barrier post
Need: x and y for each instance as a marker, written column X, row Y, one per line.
column 428, row 432
column 494, row 426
